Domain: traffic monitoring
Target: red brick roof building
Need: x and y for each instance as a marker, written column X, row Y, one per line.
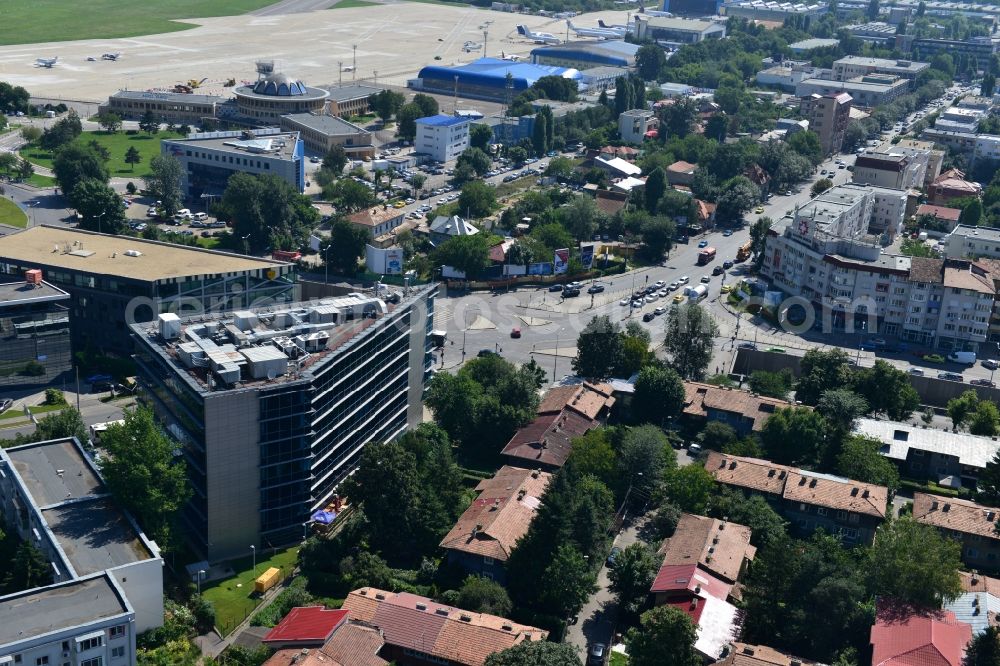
column 902, row 637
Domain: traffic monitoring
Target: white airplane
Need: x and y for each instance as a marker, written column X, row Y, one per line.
column 509, row 56
column 538, row 37
column 627, row 27
column 653, row 12
column 110, row 56
column 601, row 33
column 469, row 47
column 48, row 63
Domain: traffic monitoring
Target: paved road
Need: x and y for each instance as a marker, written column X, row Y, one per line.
column 92, row 411
column 294, row 7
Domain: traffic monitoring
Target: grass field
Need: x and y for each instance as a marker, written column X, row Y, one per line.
column 37, row 410
column 30, row 21
column 233, row 597
column 11, row 215
column 347, row 4
column 116, row 145
column 38, row 180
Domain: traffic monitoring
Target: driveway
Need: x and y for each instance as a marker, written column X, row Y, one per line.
column 597, row 618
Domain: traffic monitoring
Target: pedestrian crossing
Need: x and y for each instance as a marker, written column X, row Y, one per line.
column 442, row 314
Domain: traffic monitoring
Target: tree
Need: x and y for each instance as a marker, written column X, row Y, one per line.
column 475, row 158
column 690, row 334
column 659, row 394
column 536, row 653
column 406, row 121
column 984, row 650
column 483, row 595
column 101, row 207
column 665, row 638
column 62, row 133
column 517, row 155
column 717, row 436
column 469, row 254
column 962, row 407
column 985, row 420
column 598, row 348
column 267, row 211
column 972, row 213
column 30, row 134
column 794, row 435
column 560, row 167
column 806, row 144
column 873, row 9
column 592, row 454
column 644, row 455
column 417, row 181
column 677, row 119
column 387, row 103
column 581, row 217
column 428, row 105
column 164, row 182
column 914, row 563
column 860, row 459
column 349, row 195
column 149, row 123
column 29, row 568
column 690, row 488
column 24, row 169
column 631, row 576
column 841, row 408
column 738, row 196
column 758, row 239
column 766, row 525
column 820, row 371
column 854, row 136
column 111, row 122
column 345, row 247
column 144, row 475
column 887, row 390
column 650, row 61
column 480, row 136
column 335, row 160
column 988, row 84
column 820, row 186
column 132, row 157
column 773, row 384
column 568, row 582
column 75, row 163
column 477, row 199
column 656, row 185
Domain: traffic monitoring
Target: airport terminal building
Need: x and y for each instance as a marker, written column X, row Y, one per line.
column 276, row 95
column 208, row 159
column 169, row 107
column 274, row 406
column 587, row 55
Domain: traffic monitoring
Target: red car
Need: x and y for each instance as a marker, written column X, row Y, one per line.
column 515, row 332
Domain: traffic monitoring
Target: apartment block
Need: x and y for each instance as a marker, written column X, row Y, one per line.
column 890, row 169
column 915, row 147
column 868, row 91
column 35, row 345
column 274, row 406
column 966, row 242
column 970, row 524
column 851, row 67
column 828, row 115
column 786, row 75
column 442, row 137
column 808, row 500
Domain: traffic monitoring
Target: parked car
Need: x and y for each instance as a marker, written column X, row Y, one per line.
column 705, row 279
column 595, row 289
column 684, row 279
column 659, row 311
column 990, row 364
column 597, row 655
column 703, row 243
column 983, row 382
column 964, row 357
column 649, row 316
column 916, row 372
column 556, row 287
column 483, row 353
column 570, row 292
column 5, row 404
column 613, row 555
column 694, row 449
column 746, row 345
column 950, row 376
column 718, row 270
column 515, row 332
column 727, row 264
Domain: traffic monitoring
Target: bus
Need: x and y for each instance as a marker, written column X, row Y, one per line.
column 744, row 252
column 706, row 256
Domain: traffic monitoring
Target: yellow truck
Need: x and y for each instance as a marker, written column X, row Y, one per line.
column 743, row 253
column 267, row 580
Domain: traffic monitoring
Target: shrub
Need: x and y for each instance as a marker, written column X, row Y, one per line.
column 54, row 397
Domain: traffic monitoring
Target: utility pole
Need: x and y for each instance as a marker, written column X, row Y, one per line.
column 340, row 73
column 354, row 69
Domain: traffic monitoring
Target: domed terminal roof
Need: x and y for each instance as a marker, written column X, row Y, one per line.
column 280, row 85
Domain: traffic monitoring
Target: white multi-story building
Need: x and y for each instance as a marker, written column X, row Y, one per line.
column 633, row 125
column 442, row 137
column 890, row 169
column 966, row 241
column 850, row 67
column 787, row 75
column 107, row 576
column 826, row 255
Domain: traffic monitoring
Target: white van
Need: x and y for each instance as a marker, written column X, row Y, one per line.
column 200, row 217
column 963, row 357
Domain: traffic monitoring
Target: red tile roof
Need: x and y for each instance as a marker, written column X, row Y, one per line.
column 699, row 397
column 717, row 546
column 417, row 623
column 743, row 654
column 688, row 577
column 903, row 638
column 351, row 645
column 501, row 515
column 306, row 625
column 940, row 212
column 956, row 515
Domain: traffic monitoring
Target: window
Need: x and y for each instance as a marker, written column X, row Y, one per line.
column 89, row 644
column 41, row 661
column 96, row 661
column 116, row 632
column 972, row 553
column 841, row 515
column 821, row 511
column 118, row 652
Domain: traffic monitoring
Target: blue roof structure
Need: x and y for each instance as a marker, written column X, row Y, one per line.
column 491, row 73
column 441, row 120
column 609, row 52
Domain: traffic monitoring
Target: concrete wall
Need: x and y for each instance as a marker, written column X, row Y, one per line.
column 143, row 585
column 233, row 472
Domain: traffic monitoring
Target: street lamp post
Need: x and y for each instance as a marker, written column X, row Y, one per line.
column 326, row 265
column 253, row 552
column 201, row 573
column 246, row 244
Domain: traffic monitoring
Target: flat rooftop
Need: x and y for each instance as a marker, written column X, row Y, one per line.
column 676, row 23
column 909, row 66
column 95, row 535
column 29, row 614
column 271, row 144
column 54, row 472
column 991, row 234
column 330, row 125
column 815, row 43
column 21, row 293
column 103, row 254
column 168, row 96
column 348, row 93
column 855, row 84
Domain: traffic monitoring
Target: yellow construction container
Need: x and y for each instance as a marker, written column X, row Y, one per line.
column 267, row 580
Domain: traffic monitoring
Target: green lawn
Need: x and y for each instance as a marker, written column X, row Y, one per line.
column 38, row 180
column 116, row 144
column 15, row 412
column 347, row 4
column 30, row 21
column 233, row 604
column 11, row 215
column 618, row 659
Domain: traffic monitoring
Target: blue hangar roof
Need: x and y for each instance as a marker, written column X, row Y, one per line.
column 610, row 52
column 442, row 120
column 492, row 72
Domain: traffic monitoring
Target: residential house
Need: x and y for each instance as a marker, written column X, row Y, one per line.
column 744, row 411
column 317, row 636
column 951, row 184
column 906, row 637
column 705, row 213
column 808, row 500
column 610, row 201
column 635, row 124
column 681, row 173
column 487, row 532
column 945, row 219
column 702, row 597
column 979, row 602
column 972, row 525
column 744, row 654
column 564, row 413
column 418, row 630
column 377, row 222
column 616, row 167
column 627, row 153
column 949, row 459
column 444, row 227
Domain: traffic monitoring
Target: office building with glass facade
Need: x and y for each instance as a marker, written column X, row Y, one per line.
column 274, row 406
column 35, row 346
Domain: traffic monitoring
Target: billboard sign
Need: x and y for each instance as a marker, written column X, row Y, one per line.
column 587, row 256
column 561, row 261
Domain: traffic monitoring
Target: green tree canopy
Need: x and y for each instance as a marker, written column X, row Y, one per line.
column 101, row 207
column 821, row 371
column 659, row 394
column 536, row 653
column 632, row 575
column 268, row 212
column 350, row 196
column 665, row 637
column 689, row 338
column 469, row 254
column 599, row 348
column 345, row 247
column 915, row 564
column 690, row 488
column 74, row 164
column 860, row 459
column 335, row 160
column 483, row 595
column 887, row 390
column 477, row 199
column 773, row 384
column 164, row 182
column 794, row 435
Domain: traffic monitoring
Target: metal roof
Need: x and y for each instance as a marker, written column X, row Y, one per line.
column 493, row 72
column 898, row 438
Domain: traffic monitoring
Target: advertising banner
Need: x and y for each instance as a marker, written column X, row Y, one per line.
column 587, row 256
column 561, row 262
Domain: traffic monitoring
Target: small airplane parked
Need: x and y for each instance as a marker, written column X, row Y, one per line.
column 538, row 37
column 653, row 12
column 600, row 33
column 47, row 63
column 509, row 56
column 469, row 47
column 110, row 56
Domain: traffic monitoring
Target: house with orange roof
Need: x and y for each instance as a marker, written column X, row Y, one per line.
column 317, row 636
column 487, row 532
column 418, row 631
column 720, row 547
column 681, row 173
column 744, row 411
column 377, row 221
column 973, row 525
column 905, row 637
column 565, row 412
column 854, row 510
column 744, row 654
column 952, row 185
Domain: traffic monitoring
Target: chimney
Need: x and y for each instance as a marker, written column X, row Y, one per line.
column 934, row 505
column 866, row 493
column 812, row 483
column 947, row 508
column 854, row 492
column 747, row 649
